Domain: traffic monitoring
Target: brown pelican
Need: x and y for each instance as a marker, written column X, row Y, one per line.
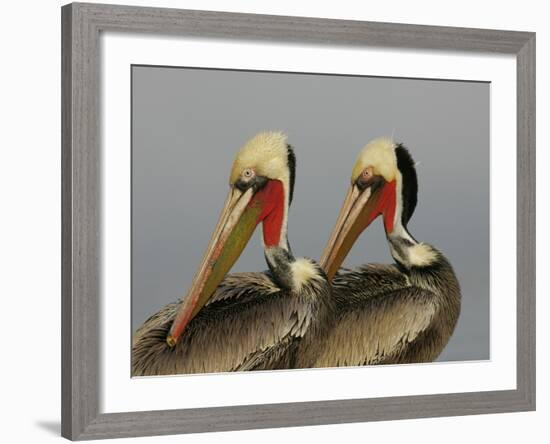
column 387, row 314
column 245, row 321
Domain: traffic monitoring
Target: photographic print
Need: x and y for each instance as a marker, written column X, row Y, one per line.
column 354, row 230
column 294, row 204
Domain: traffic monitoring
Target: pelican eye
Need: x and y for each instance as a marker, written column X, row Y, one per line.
column 248, row 173
column 366, row 178
column 248, row 179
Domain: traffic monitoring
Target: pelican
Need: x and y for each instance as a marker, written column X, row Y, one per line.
column 387, row 314
column 243, row 321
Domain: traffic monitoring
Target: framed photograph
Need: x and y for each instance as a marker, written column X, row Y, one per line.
column 374, row 258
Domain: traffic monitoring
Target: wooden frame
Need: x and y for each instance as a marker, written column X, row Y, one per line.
column 81, row 25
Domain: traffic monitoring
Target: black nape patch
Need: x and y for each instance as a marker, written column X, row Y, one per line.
column 291, row 161
column 405, row 164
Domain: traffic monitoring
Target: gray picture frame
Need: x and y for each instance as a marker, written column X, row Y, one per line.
column 81, row 235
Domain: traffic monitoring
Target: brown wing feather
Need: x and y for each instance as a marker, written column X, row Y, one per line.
column 380, row 332
column 386, row 316
column 249, row 324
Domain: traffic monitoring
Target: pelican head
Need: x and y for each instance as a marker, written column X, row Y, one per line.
column 261, row 185
column 383, row 183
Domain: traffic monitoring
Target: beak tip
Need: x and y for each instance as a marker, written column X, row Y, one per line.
column 171, row 341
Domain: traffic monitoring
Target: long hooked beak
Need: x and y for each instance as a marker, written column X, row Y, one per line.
column 233, row 231
column 358, row 211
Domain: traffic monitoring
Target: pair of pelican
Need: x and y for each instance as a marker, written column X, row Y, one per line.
column 299, row 314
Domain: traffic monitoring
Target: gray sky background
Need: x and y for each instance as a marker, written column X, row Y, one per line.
column 189, row 123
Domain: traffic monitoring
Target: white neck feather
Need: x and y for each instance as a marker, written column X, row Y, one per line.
column 404, row 248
